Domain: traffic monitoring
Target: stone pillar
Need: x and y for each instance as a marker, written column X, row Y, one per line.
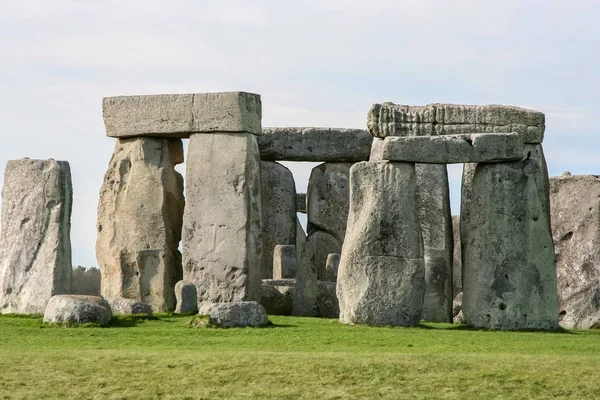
column 222, row 219
column 284, row 261
column 35, row 244
column 278, row 203
column 509, row 275
column 327, row 205
column 306, row 292
column 381, row 273
column 331, row 268
column 139, row 222
column 457, row 261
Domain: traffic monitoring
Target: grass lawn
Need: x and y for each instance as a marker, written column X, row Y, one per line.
column 296, row 358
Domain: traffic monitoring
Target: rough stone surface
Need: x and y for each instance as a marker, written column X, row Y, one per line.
column 35, row 246
column 122, row 306
column 179, row 115
column 301, row 203
column 389, row 119
column 327, row 205
column 277, row 300
column 314, row 144
column 284, row 261
column 305, row 295
column 139, row 222
column 452, row 149
column 459, row 319
column 509, row 275
column 457, row 258
column 187, row 297
column 457, row 305
column 381, row 277
column 575, row 207
column 331, row 267
column 433, row 209
column 327, row 301
column 278, row 204
column 77, row 309
column 280, row 282
column 238, row 314
column 222, row 219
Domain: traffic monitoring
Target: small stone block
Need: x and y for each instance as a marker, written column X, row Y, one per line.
column 284, row 261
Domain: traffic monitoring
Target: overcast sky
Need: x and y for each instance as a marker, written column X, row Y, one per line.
column 315, row 63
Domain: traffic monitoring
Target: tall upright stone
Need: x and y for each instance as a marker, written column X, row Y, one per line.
column 381, row 272
column 222, row 219
column 278, row 204
column 139, row 222
column 457, row 261
column 509, row 275
column 327, row 206
column 306, row 291
column 35, row 244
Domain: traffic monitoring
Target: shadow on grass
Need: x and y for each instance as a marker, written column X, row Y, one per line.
column 129, row 321
column 559, row 330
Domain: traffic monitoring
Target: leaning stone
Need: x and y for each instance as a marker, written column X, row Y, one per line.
column 327, row 301
column 222, row 218
column 433, row 208
column 278, row 204
column 301, row 203
column 238, row 314
column 331, row 267
column 453, row 149
column 575, row 207
column 187, row 298
column 457, row 258
column 314, row 144
column 389, row 119
column 509, row 275
column 381, row 273
column 35, row 246
column 122, row 306
column 284, row 261
column 77, row 309
column 140, row 216
column 277, row 300
column 179, row 115
column 305, row 296
column 323, row 244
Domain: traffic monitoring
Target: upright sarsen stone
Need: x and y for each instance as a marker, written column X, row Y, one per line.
column 139, row 222
column 35, row 244
column 381, row 272
column 222, row 219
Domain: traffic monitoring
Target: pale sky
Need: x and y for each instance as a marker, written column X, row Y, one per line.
column 315, row 63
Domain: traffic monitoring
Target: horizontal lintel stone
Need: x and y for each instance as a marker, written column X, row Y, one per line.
column 314, row 144
column 451, row 149
column 179, row 115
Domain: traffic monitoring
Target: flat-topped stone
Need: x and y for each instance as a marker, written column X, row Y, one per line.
column 178, row 115
column 314, row 144
column 451, row 149
column 389, row 119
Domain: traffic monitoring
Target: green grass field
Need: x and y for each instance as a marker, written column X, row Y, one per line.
column 295, row 358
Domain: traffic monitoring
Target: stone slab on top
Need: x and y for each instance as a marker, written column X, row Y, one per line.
column 179, row 115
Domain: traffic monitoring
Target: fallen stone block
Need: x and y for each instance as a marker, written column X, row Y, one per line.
column 277, row 300
column 77, row 309
column 284, row 262
column 239, row 314
column 122, row 306
column 187, row 298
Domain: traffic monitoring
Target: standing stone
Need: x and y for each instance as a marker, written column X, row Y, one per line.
column 139, row 222
column 327, row 204
column 187, row 297
column 381, row 277
column 457, row 259
column 35, row 244
column 284, row 262
column 222, row 219
column 575, row 206
column 305, row 295
column 433, row 208
column 331, row 267
column 509, row 275
column 278, row 204
column 301, row 203
column 327, row 301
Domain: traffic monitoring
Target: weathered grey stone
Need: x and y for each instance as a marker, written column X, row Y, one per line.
column 35, row 245
column 327, row 301
column 222, row 218
column 77, row 309
column 459, row 319
column 238, row 314
column 314, row 144
column 381, row 273
column 301, row 203
column 284, row 261
column 178, row 115
column 452, row 149
column 187, row 297
column 122, row 306
column 331, row 267
column 277, row 300
column 575, row 207
column 278, row 204
column 323, row 244
column 389, row 119
column 457, row 305
column 509, row 275
column 139, row 222
column 280, row 282
column 433, row 209
column 457, row 258
column 305, row 295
